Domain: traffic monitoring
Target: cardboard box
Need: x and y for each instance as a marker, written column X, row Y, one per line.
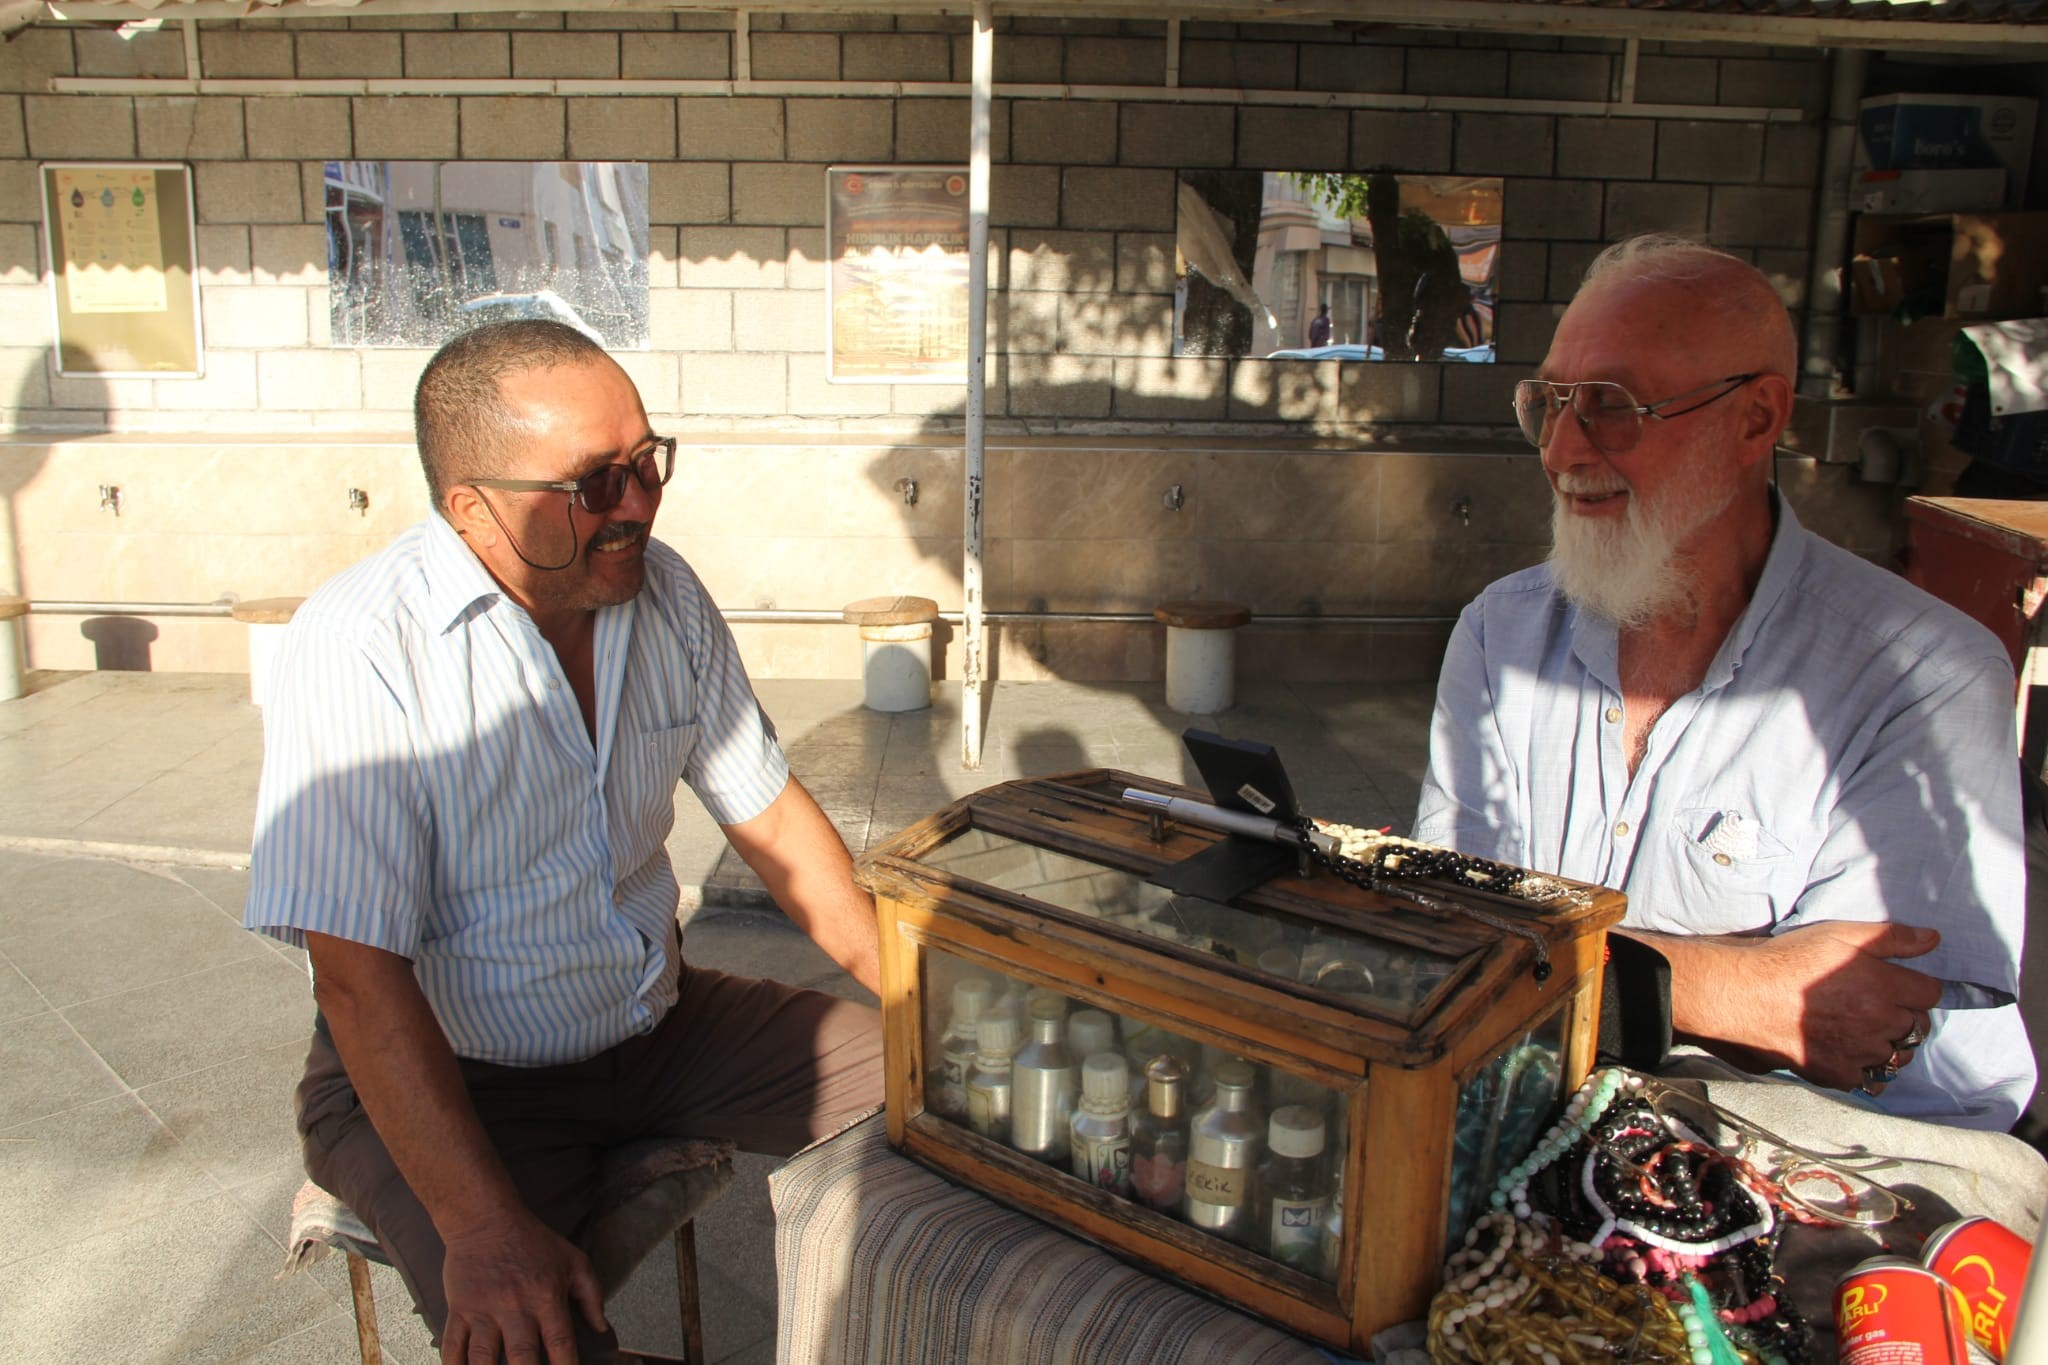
column 1949, row 132
column 1950, row 265
column 1949, row 191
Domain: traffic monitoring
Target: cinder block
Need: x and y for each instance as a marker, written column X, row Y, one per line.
column 1283, row 391
column 1025, row 322
column 1110, row 324
column 254, row 317
column 1568, row 263
column 806, row 265
column 1024, row 196
column 224, row 255
column 731, row 258
column 896, row 57
column 289, row 255
column 661, row 257
column 1456, row 71
column 656, row 375
column 527, row 23
column 25, row 378
column 405, row 127
column 622, row 129
column 937, row 131
column 1074, row 262
column 337, row 55
column 734, row 385
column 795, row 56
column 32, row 56
column 839, row 130
column 1063, row 132
column 1522, row 271
column 1372, row 392
column 1116, row 197
column 1166, row 389
column 248, row 192
column 1366, row 68
column 462, row 56
column 1650, row 207
column 1800, row 85
column 21, row 194
column 1020, row 59
column 1786, row 268
column 188, row 128
column 779, row 320
column 21, row 259
column 1755, row 216
column 300, row 126
column 1481, row 395
column 93, row 394
column 1721, row 153
column 61, row 127
column 13, row 134
column 836, row 23
column 1237, row 66
column 568, row 56
column 731, row 129
column 312, row 192
column 244, row 54
column 514, row 128
column 1176, row 135
column 1505, row 144
column 1607, row 148
column 1791, row 154
column 1144, row 262
column 25, row 315
column 1116, row 61
column 1676, row 80
column 1522, row 331
column 1067, row 28
column 1560, row 76
column 677, row 57
column 229, row 385
column 606, row 21
column 309, row 381
column 812, row 395
column 1552, row 208
column 1061, row 386
column 319, row 312
column 390, row 375
column 689, row 192
column 790, row 194
column 1400, row 140
column 103, row 52
column 694, row 319
column 1292, row 139
column 406, row 22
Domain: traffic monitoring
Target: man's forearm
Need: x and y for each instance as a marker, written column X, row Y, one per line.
column 403, row 1070
column 801, row 859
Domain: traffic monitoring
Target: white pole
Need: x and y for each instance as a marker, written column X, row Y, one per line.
column 973, row 648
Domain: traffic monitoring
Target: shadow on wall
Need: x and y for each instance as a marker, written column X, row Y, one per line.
column 19, row 466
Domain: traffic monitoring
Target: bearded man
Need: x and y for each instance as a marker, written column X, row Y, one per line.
column 1799, row 768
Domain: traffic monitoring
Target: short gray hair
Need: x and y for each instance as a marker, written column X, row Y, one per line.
column 459, row 417
column 1723, row 283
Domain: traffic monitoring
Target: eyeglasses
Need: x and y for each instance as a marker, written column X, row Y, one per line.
column 1606, row 412
column 600, row 490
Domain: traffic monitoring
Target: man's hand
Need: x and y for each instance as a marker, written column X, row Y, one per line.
column 510, row 1287
column 1825, row 1001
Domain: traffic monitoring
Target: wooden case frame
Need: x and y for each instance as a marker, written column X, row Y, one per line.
column 1395, row 1163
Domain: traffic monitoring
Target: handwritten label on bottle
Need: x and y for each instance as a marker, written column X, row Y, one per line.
column 1216, row 1184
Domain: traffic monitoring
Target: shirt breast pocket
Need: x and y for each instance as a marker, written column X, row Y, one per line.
column 654, row 763
column 1728, row 870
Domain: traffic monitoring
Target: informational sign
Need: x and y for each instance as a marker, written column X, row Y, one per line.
column 896, row 295
column 121, row 261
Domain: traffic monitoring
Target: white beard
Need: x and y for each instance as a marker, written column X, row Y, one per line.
column 1629, row 571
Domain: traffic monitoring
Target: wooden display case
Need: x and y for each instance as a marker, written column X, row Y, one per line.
column 1411, row 1017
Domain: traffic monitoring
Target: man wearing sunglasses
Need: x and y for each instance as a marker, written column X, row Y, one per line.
column 1798, row 767
column 471, row 757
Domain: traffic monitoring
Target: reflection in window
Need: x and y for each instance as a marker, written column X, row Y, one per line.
column 1329, row 266
column 418, row 251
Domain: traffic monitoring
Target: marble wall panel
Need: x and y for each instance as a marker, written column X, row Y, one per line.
column 1274, row 496
column 1438, row 577
column 1509, row 497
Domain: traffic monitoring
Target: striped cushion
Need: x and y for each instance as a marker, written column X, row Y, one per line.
column 881, row 1260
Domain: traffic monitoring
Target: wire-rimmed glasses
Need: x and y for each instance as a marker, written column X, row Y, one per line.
column 600, row 490
column 1606, row 412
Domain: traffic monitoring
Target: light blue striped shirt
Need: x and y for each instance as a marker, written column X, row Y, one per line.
column 1850, row 755
column 429, row 789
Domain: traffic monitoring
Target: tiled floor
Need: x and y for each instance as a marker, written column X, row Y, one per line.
column 148, row 1045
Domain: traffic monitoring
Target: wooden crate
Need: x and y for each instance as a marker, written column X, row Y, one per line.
column 1040, row 883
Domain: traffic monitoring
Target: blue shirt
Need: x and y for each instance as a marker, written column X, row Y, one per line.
column 1850, row 755
column 429, row 788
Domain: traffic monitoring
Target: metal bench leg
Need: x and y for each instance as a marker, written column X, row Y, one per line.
column 366, row 1310
column 687, row 1299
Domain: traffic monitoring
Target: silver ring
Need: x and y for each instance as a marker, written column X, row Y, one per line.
column 1914, row 1037
column 1879, row 1075
column 1900, row 1056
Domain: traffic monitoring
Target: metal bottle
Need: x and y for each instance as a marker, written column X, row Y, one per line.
column 988, row 1085
column 1042, row 1084
column 1223, row 1153
column 1102, row 1125
column 971, row 997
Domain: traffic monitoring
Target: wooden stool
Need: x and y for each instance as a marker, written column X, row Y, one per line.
column 266, row 618
column 1201, row 654
column 12, row 609
column 895, row 650
column 646, row 1191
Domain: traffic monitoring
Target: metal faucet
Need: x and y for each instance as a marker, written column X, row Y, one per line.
column 359, row 502
column 908, row 488
column 110, row 498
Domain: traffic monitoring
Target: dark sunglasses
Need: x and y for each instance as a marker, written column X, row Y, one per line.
column 600, row 490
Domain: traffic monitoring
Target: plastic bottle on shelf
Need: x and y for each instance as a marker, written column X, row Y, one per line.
column 1102, row 1125
column 1294, row 1188
column 988, row 1085
column 971, row 998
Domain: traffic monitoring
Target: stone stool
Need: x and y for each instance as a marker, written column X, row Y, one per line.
column 895, row 650
column 1201, row 654
column 646, row 1191
column 12, row 609
column 266, row 618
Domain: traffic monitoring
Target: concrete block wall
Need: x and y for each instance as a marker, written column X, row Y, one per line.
column 1338, row 500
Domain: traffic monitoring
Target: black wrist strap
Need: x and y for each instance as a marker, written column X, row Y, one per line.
column 1635, row 1005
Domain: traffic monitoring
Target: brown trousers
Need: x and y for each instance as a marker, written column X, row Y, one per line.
column 770, row 1066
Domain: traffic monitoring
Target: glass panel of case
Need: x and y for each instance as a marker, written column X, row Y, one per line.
column 1502, row 1109
column 1390, row 976
column 1247, row 1152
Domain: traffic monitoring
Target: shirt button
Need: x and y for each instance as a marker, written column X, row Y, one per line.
column 1621, row 830
column 1723, row 859
column 554, row 684
column 1613, row 714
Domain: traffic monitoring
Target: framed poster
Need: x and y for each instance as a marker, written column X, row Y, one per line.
column 123, row 284
column 896, row 292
